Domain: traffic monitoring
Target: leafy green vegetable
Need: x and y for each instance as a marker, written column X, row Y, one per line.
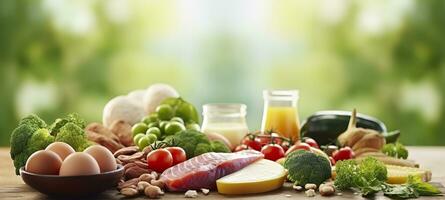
column 195, row 143
column 307, row 167
column 368, row 176
column 414, row 188
column 73, row 135
column 396, row 150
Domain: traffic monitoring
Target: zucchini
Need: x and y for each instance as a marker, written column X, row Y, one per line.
column 325, row 126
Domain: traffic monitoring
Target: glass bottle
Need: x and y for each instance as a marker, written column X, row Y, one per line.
column 280, row 113
column 229, row 120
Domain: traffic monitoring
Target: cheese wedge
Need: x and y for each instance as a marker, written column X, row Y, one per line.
column 260, row 176
column 399, row 174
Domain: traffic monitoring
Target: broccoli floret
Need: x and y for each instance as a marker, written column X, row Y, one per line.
column 60, row 122
column 20, row 139
column 39, row 140
column 396, row 150
column 33, row 121
column 307, row 167
column 73, row 135
column 190, row 140
column 202, row 148
column 218, row 146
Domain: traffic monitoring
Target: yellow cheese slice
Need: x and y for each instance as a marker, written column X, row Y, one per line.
column 260, row 176
column 399, row 174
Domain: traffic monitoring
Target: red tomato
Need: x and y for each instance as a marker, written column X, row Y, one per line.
column 332, row 160
column 252, row 144
column 241, row 147
column 272, row 152
column 178, row 154
column 263, row 139
column 285, row 145
column 159, row 160
column 297, row 146
column 311, row 142
column 344, row 153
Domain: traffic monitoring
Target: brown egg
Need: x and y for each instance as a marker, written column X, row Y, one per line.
column 103, row 156
column 61, row 148
column 79, row 163
column 43, row 162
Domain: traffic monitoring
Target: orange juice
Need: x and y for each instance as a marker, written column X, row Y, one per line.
column 282, row 120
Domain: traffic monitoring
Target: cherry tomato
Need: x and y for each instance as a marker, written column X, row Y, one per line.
column 263, row 139
column 178, row 154
column 272, row 152
column 297, row 146
column 332, row 160
column 159, row 160
column 285, row 145
column 344, row 153
column 241, row 148
column 252, row 144
column 311, row 142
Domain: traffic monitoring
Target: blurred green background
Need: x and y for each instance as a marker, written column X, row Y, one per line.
column 385, row 58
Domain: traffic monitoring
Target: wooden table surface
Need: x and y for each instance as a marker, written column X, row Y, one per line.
column 12, row 186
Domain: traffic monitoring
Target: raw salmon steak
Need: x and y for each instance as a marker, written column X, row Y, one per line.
column 202, row 171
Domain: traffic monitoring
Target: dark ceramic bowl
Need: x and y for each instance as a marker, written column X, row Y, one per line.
column 55, row 185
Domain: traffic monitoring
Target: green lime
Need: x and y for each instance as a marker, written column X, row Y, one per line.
column 177, row 119
column 153, row 124
column 137, row 137
column 143, row 142
column 155, row 131
column 152, row 138
column 173, row 127
column 165, row 112
column 139, row 128
column 193, row 126
column 151, row 118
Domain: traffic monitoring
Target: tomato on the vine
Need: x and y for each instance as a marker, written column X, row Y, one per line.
column 178, row 154
column 272, row 152
column 252, row 143
column 159, row 160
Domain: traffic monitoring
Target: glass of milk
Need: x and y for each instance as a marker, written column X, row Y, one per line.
column 228, row 120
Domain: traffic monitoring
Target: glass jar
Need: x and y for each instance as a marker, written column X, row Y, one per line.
column 229, row 120
column 280, row 113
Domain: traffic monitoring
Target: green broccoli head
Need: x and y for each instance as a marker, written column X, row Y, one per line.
column 396, row 150
column 73, row 135
column 202, row 148
column 39, row 140
column 307, row 167
column 60, row 122
column 19, row 139
column 20, row 161
column 33, row 121
column 218, row 146
column 190, row 140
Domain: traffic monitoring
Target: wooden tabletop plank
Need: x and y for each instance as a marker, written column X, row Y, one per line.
column 12, row 187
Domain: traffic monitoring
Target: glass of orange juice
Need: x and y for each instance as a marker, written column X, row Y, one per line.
column 280, row 113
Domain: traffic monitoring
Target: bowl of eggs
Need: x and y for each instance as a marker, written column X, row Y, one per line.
column 59, row 170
